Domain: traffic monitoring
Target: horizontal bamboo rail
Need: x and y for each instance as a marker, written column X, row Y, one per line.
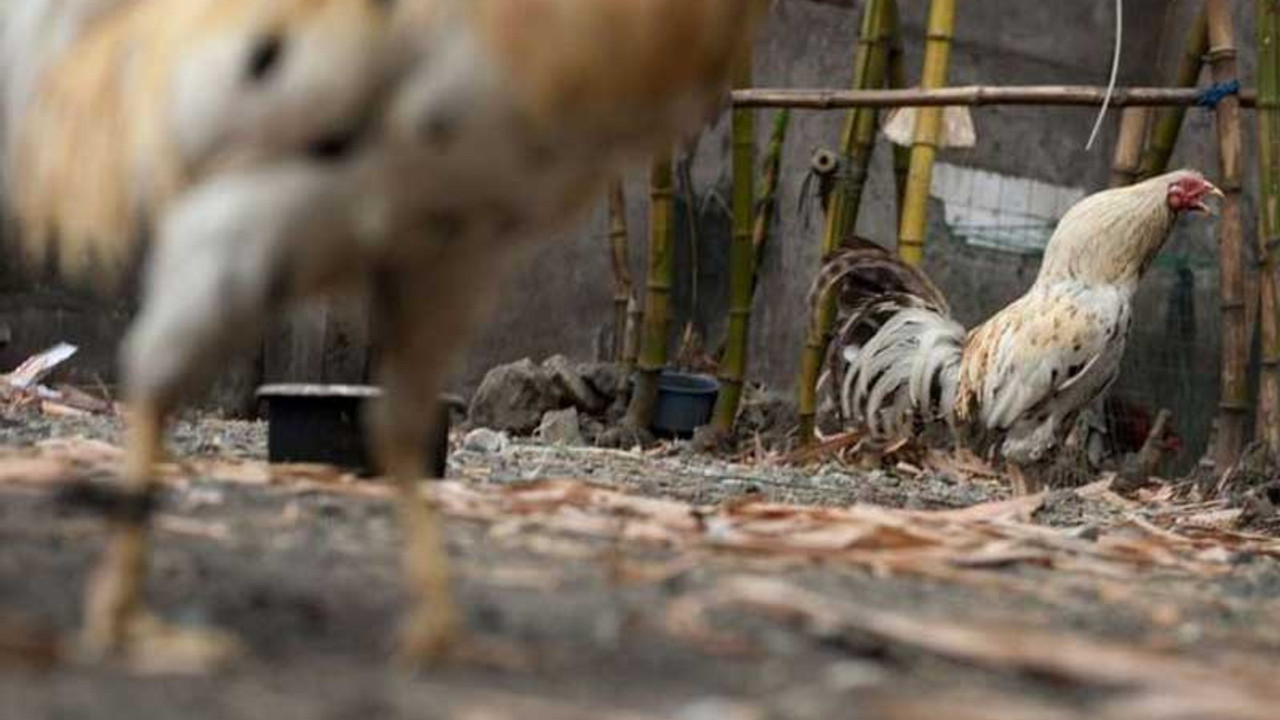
column 1085, row 95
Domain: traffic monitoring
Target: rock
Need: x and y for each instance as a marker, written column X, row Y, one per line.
column 606, row 378
column 484, row 440
column 574, row 387
column 709, row 438
column 514, row 397
column 561, row 427
column 626, row 436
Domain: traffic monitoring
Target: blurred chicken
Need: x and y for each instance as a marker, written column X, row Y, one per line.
column 1014, row 384
column 262, row 151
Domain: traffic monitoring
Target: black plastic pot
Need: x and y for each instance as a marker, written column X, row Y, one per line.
column 684, row 403
column 324, row 424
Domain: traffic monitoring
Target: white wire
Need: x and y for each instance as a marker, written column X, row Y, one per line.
column 1115, row 70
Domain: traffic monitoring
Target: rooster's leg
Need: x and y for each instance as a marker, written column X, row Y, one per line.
column 423, row 314
column 116, row 622
column 115, row 588
column 432, row 624
column 206, row 291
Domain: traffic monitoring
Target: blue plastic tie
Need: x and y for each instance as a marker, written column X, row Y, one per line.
column 1215, row 93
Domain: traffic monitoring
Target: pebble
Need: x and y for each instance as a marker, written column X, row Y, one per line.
column 486, row 441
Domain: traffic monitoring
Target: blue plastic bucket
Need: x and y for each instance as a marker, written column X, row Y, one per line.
column 684, row 403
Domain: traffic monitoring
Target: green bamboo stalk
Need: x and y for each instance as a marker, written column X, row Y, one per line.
column 733, row 361
column 898, row 81
column 1164, row 133
column 856, row 145
column 744, row 261
column 1267, row 21
column 937, row 57
column 658, row 283
column 623, row 285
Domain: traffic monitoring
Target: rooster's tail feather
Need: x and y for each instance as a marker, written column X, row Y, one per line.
column 895, row 358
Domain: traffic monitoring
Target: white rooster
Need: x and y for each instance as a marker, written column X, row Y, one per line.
column 1015, row 383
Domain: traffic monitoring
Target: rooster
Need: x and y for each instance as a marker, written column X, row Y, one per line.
column 1012, row 386
column 258, row 152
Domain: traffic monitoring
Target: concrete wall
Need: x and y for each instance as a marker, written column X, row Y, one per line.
column 559, row 302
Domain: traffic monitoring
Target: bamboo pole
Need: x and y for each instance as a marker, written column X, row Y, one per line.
column 898, row 81
column 1267, row 19
column 1133, row 127
column 1233, row 402
column 937, row 56
column 658, row 283
column 743, row 280
column 742, row 260
column 623, row 285
column 767, row 203
column 1164, row 133
column 856, row 144
column 973, row 96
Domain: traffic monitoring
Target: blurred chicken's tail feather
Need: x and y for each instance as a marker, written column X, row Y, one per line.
column 64, row 133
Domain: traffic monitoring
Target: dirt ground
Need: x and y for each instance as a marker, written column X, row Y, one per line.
column 635, row 585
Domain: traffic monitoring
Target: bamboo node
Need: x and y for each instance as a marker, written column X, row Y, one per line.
column 1221, row 53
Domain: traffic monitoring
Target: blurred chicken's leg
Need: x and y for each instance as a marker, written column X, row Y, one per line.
column 116, row 622
column 399, row 424
column 432, row 624
column 114, row 594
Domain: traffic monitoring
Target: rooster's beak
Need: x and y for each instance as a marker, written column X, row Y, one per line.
column 1204, row 208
